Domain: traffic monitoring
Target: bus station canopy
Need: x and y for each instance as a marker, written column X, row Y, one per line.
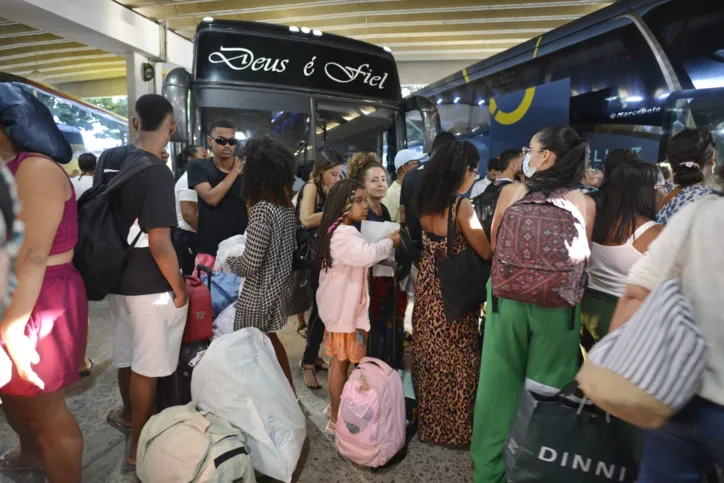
column 59, row 41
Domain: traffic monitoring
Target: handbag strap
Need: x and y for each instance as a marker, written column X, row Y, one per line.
column 452, row 224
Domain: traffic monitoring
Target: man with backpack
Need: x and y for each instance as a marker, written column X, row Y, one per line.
column 148, row 301
column 509, row 165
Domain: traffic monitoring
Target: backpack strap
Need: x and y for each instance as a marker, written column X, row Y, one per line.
column 452, row 223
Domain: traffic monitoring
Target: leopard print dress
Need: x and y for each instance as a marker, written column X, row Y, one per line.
column 445, row 356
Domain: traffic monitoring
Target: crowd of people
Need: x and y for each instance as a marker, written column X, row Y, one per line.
column 637, row 225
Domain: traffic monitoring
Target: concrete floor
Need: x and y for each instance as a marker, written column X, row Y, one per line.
column 92, row 398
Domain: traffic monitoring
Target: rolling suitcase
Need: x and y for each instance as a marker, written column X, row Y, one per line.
column 175, row 390
column 199, row 322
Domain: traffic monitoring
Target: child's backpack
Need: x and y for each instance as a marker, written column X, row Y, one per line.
column 185, row 444
column 371, row 418
column 542, row 252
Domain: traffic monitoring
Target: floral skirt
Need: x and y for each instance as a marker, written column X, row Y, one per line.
column 350, row 346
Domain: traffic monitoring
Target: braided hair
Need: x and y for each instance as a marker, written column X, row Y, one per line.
column 269, row 169
column 339, row 203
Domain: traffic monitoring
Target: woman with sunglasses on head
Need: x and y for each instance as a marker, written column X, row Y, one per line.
column 222, row 208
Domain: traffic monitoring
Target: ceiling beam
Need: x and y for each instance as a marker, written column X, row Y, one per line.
column 102, row 24
column 77, row 66
column 53, row 60
column 335, row 22
column 180, row 10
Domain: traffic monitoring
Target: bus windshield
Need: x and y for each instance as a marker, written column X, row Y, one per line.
column 349, row 128
column 288, row 127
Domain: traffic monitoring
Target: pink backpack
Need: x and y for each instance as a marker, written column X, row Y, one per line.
column 542, row 252
column 371, row 418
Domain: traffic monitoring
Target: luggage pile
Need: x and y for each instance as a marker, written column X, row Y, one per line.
column 243, row 417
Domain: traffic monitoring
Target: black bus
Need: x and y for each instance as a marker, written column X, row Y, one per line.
column 639, row 71
column 306, row 88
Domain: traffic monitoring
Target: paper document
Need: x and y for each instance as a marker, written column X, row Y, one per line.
column 374, row 231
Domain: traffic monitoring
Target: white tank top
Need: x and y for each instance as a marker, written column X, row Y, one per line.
column 610, row 265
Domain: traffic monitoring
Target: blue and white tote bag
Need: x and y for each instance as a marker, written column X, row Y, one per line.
column 651, row 367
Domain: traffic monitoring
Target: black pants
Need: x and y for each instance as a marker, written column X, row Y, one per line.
column 315, row 326
column 185, row 243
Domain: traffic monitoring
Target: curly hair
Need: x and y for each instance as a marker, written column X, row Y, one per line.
column 444, row 174
column 269, row 169
column 360, row 163
column 338, row 205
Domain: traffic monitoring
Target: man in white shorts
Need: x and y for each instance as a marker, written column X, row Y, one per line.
column 149, row 304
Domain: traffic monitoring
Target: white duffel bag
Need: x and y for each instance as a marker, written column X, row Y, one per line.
column 182, row 443
column 240, row 380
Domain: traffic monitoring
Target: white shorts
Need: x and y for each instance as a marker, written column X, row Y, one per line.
column 148, row 330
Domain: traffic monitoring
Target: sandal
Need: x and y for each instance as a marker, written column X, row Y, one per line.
column 87, row 372
column 303, row 330
column 328, row 410
column 9, row 462
column 321, row 364
column 310, row 377
column 114, row 420
column 331, row 429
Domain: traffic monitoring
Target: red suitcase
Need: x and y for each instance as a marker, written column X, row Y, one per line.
column 199, row 319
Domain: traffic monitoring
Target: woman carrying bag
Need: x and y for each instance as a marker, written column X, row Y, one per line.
column 446, row 353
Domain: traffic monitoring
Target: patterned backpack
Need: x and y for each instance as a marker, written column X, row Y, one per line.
column 542, row 252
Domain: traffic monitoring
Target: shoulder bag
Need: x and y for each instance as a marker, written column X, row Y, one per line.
column 463, row 277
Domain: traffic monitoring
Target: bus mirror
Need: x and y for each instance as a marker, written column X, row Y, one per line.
column 430, row 117
column 176, row 88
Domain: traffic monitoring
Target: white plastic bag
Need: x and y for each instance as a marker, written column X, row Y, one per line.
column 224, row 322
column 231, row 247
column 240, row 380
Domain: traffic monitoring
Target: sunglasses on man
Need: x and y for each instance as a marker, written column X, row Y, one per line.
column 222, row 141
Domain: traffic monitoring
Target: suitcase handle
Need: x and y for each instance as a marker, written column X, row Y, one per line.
column 203, row 268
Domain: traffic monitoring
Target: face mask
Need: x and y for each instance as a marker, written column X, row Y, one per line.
column 528, row 170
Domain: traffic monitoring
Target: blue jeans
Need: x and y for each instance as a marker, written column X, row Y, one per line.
column 687, row 447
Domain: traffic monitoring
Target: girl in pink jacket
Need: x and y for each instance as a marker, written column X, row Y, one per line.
column 343, row 298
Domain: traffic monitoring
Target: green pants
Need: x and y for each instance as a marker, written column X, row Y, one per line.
column 523, row 343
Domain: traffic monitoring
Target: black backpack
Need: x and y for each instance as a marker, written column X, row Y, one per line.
column 485, row 204
column 102, row 252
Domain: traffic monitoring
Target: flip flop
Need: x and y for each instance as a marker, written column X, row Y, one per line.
column 314, row 373
column 88, row 371
column 112, row 420
column 6, row 466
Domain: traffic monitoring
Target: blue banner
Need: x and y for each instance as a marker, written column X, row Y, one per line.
column 516, row 117
column 602, row 143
